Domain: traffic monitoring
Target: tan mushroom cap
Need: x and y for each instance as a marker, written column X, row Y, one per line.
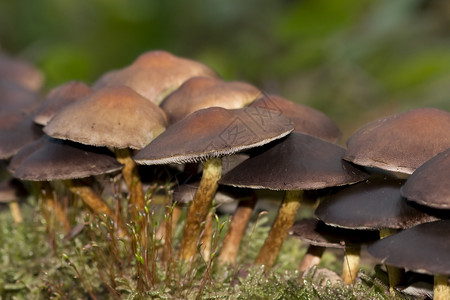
column 401, row 142
column 20, row 72
column 203, row 92
column 306, row 120
column 213, row 132
column 115, row 117
column 155, row 74
column 429, row 184
column 59, row 97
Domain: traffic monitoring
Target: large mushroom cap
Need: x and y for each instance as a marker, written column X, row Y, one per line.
column 203, row 92
column 155, row 74
column 424, row 248
column 58, row 98
column 114, row 117
column 306, row 119
column 429, row 185
column 213, row 132
column 297, row 162
column 402, row 142
column 372, row 204
column 54, row 159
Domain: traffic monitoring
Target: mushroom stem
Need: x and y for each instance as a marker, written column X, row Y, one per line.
column 285, row 219
column 15, row 212
column 200, row 206
column 351, row 263
column 441, row 289
column 51, row 204
column 207, row 236
column 395, row 274
column 131, row 177
column 239, row 221
column 312, row 257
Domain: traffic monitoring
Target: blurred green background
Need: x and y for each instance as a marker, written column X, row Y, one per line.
column 355, row 60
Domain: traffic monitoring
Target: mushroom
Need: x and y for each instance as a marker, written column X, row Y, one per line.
column 59, row 97
column 424, row 248
column 321, row 236
column 21, row 72
column 114, row 117
column 293, row 164
column 50, row 159
column 155, row 74
column 15, row 98
column 374, row 204
column 206, row 135
column 202, row 92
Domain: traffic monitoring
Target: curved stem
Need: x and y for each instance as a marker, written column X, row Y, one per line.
column 285, row 219
column 200, row 206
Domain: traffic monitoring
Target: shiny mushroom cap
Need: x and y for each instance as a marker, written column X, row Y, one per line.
column 115, row 117
column 58, row 98
column 203, row 92
column 297, row 162
column 402, row 142
column 155, row 74
column 213, row 132
column 429, row 185
column 306, row 119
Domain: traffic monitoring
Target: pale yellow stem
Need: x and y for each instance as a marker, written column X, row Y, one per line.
column 441, row 290
column 199, row 208
column 285, row 219
column 206, row 236
column 395, row 274
column 351, row 264
column 15, row 212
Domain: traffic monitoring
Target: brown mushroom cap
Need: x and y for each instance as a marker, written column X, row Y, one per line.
column 155, row 74
column 21, row 72
column 306, row 119
column 424, row 248
column 375, row 203
column 317, row 233
column 60, row 97
column 55, row 159
column 16, row 131
column 203, row 92
column 297, row 162
column 16, row 98
column 429, row 185
column 114, row 117
column 213, row 132
column 401, row 142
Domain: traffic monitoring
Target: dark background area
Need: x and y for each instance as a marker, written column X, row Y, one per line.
column 354, row 60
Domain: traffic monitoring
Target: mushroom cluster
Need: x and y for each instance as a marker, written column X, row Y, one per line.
column 163, row 110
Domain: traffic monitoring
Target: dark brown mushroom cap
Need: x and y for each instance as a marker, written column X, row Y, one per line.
column 11, row 190
column 58, row 98
column 155, row 74
column 59, row 160
column 317, row 233
column 402, row 142
column 306, row 119
column 16, row 131
column 24, row 153
column 203, row 92
column 15, row 98
column 297, row 162
column 429, row 184
column 424, row 248
column 113, row 117
column 372, row 204
column 21, row 72
column 213, row 132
